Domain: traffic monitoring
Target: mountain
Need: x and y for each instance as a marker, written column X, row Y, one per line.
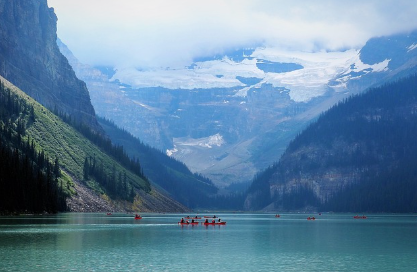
column 93, row 174
column 359, row 156
column 89, row 172
column 231, row 115
column 30, row 59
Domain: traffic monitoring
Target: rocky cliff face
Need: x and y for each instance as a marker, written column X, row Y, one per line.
column 30, row 59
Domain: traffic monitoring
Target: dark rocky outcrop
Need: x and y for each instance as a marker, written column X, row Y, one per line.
column 30, row 59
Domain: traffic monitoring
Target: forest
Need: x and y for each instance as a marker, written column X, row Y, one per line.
column 28, row 178
column 372, row 136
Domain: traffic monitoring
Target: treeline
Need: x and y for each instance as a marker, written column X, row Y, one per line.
column 28, row 180
column 232, row 201
column 115, row 151
column 115, row 183
column 136, row 145
column 393, row 191
column 260, row 190
column 298, row 198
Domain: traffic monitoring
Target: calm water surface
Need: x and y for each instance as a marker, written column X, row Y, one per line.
column 249, row 242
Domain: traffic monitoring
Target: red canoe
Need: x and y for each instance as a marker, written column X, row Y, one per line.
column 215, row 223
column 188, row 223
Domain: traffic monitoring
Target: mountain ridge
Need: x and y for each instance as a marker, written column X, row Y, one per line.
column 356, row 157
column 30, row 59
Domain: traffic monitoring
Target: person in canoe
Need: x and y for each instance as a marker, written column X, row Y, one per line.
column 206, row 221
column 192, row 220
column 213, row 221
column 182, row 220
column 219, row 220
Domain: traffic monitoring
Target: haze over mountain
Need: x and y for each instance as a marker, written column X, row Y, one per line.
column 223, row 87
column 155, row 34
column 232, row 115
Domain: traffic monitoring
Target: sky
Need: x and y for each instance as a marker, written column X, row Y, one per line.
column 166, row 33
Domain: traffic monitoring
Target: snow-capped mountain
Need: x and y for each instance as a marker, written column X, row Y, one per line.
column 232, row 115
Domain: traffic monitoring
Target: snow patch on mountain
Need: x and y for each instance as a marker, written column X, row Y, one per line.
column 311, row 81
column 205, row 142
column 412, row 47
column 358, row 69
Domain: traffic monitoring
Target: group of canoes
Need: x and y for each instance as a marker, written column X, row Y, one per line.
column 214, row 221
column 217, row 221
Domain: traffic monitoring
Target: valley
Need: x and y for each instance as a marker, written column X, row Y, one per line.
column 231, row 116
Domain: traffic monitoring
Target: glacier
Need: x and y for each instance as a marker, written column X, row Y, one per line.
column 318, row 68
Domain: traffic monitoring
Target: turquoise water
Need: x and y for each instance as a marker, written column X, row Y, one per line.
column 248, row 242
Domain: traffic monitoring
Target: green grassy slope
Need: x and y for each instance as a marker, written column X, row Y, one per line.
column 59, row 140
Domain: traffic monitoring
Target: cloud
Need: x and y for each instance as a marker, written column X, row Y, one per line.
column 171, row 33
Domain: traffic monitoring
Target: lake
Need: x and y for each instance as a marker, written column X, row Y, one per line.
column 248, row 242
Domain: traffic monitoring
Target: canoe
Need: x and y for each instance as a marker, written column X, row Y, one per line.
column 192, row 217
column 359, row 217
column 210, row 217
column 215, row 223
column 189, row 223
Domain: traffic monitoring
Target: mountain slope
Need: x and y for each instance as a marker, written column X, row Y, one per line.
column 358, row 156
column 29, row 180
column 57, row 139
column 30, row 59
column 192, row 190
